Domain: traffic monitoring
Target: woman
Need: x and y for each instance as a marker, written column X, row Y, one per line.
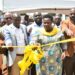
column 51, row 63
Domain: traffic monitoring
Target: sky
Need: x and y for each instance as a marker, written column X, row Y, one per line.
column 32, row 4
column 1, row 4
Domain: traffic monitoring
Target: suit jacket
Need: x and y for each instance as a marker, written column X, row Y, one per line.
column 71, row 45
column 11, row 39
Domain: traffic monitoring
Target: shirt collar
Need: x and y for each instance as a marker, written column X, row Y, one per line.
column 37, row 25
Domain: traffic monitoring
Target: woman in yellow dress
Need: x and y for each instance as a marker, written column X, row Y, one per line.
column 51, row 63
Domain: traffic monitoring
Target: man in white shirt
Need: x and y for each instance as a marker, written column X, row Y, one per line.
column 36, row 25
column 16, row 35
column 8, row 19
column 57, row 20
column 31, row 29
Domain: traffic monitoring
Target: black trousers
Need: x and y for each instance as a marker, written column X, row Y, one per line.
column 69, row 65
column 33, row 69
column 0, row 72
column 63, row 73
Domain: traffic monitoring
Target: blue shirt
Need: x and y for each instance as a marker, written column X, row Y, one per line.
column 34, row 27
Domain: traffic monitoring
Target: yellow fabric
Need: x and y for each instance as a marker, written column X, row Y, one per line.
column 32, row 54
column 51, row 33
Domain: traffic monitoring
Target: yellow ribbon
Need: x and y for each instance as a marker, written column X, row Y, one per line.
column 33, row 53
column 62, row 41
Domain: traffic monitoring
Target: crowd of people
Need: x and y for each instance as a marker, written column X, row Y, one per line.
column 58, row 59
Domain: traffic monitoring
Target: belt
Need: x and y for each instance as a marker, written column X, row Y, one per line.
column 20, row 54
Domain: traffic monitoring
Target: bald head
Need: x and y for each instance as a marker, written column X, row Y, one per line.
column 38, row 18
column 7, row 14
column 37, row 13
column 8, row 18
column 16, row 20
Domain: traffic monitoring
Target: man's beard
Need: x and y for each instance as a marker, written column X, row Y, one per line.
column 17, row 26
column 58, row 24
column 39, row 23
column 73, row 18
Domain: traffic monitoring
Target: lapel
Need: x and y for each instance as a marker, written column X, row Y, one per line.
column 25, row 34
column 12, row 34
column 12, row 29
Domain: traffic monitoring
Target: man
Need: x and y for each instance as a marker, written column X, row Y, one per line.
column 35, row 25
column 16, row 36
column 26, row 20
column 57, row 21
column 3, row 59
column 8, row 19
column 68, row 27
column 31, row 31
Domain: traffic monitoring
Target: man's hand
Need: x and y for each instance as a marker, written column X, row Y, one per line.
column 69, row 32
column 30, row 30
column 10, row 48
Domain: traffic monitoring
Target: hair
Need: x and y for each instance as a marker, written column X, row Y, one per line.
column 26, row 16
column 1, row 36
column 15, row 15
column 48, row 16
